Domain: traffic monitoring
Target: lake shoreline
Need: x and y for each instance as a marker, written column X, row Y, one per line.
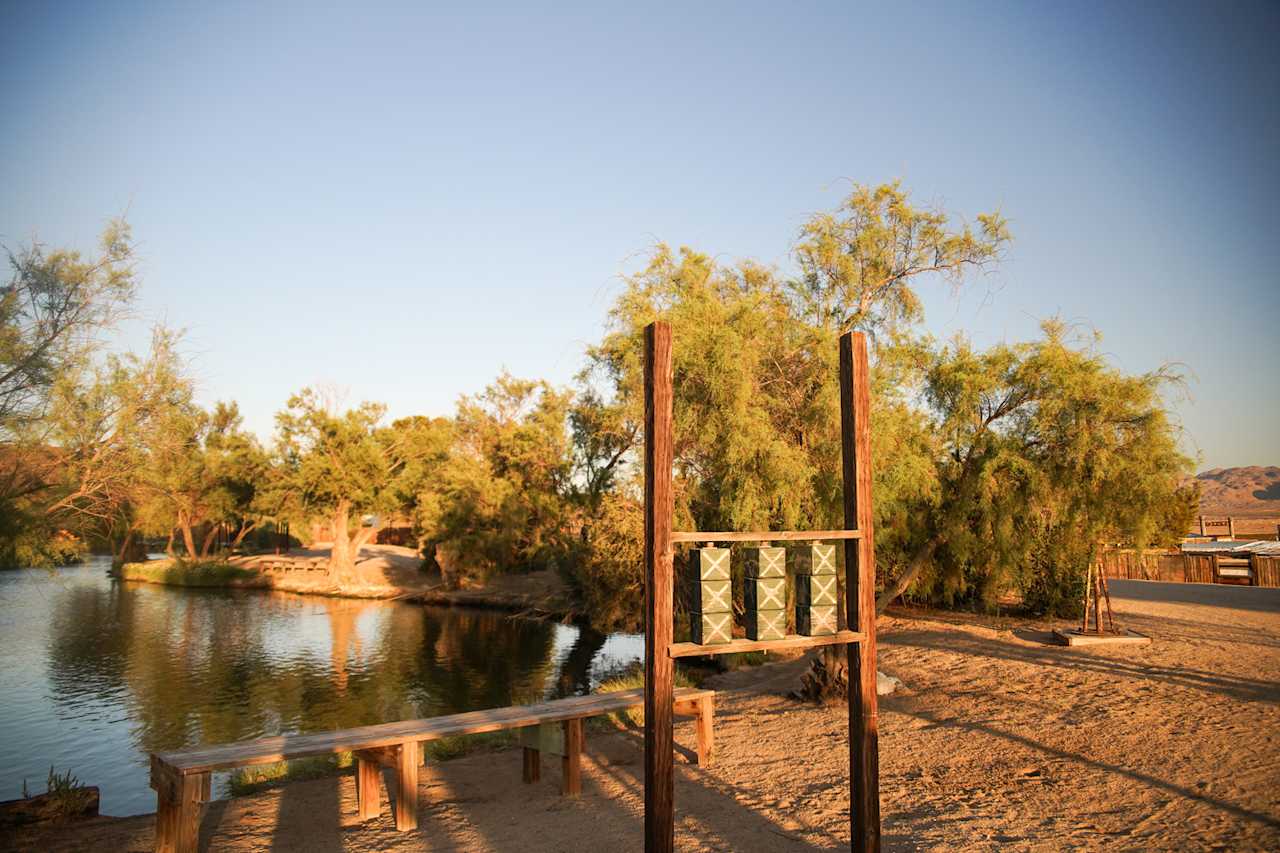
column 536, row 594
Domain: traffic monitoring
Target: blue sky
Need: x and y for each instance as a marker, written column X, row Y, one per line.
column 403, row 202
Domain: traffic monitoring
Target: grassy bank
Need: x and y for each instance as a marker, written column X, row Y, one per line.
column 204, row 573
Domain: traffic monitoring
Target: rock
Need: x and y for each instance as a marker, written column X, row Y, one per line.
column 886, row 684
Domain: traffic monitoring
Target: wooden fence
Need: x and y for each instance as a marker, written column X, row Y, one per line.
column 1181, row 568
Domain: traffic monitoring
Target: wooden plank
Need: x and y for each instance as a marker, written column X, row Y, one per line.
column 860, row 594
column 791, row 641
column 762, row 535
column 659, row 669
column 571, row 761
column 283, row 747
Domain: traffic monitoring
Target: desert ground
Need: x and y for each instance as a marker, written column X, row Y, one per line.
column 994, row 741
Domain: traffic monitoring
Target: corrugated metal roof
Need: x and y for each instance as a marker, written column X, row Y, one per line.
column 1262, row 547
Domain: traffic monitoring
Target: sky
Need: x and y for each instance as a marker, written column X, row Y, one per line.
column 399, row 202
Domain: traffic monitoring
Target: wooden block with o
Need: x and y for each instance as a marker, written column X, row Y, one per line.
column 815, row 590
column 709, row 564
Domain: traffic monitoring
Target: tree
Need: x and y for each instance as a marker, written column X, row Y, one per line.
column 100, row 423
column 501, row 497
column 340, row 466
column 860, row 263
column 1045, row 451
column 52, row 311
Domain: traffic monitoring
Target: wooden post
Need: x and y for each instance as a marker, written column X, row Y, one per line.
column 571, row 761
column 368, row 782
column 407, row 786
column 659, row 781
column 1231, row 527
column 860, row 595
column 706, row 730
column 1202, row 525
column 532, row 765
column 178, row 800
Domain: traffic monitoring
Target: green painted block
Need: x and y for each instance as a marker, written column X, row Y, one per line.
column 709, row 564
column 764, row 593
column 812, row 560
column 815, row 590
column 546, row 737
column 816, row 621
column 711, row 597
column 711, row 628
column 765, row 562
column 766, row 624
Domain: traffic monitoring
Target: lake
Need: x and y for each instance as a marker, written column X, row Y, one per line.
column 97, row 673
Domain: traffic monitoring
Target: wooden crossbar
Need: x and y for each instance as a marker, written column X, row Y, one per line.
column 762, row 535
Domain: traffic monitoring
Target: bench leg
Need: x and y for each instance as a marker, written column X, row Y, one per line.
column 532, row 765
column 571, row 763
column 178, row 813
column 368, row 781
column 407, row 786
column 706, row 730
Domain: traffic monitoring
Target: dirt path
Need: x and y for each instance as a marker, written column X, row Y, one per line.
column 996, row 742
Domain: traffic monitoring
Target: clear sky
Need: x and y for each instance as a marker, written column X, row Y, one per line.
column 401, row 202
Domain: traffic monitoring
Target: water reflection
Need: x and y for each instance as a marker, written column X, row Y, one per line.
column 127, row 669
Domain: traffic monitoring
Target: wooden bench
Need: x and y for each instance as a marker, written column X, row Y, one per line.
column 182, row 780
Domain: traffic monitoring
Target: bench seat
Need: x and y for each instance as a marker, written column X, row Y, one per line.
column 182, row 779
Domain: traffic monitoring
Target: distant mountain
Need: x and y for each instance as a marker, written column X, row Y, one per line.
column 1252, row 491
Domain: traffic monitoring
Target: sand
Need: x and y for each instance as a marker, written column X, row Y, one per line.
column 994, row 741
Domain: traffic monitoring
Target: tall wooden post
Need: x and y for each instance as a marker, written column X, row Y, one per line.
column 659, row 782
column 860, row 595
column 1231, row 527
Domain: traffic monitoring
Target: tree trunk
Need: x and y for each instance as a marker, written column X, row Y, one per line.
column 168, row 546
column 246, row 527
column 208, row 540
column 913, row 569
column 188, row 537
column 342, row 557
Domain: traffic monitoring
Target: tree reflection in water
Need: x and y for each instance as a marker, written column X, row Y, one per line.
column 176, row 667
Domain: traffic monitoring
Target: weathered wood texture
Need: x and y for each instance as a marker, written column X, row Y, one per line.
column 791, row 641
column 571, row 761
column 1266, row 570
column 368, row 788
column 860, row 593
column 532, row 770
column 406, row 793
column 659, row 668
column 763, row 535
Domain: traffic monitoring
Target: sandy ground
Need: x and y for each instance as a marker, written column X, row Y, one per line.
column 995, row 742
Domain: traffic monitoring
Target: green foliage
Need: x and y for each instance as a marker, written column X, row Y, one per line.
column 858, row 264
column 605, row 569
column 1046, row 451
column 197, row 573
column 631, row 677
column 498, row 501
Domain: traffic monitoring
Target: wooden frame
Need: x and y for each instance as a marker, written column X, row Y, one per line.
column 859, row 549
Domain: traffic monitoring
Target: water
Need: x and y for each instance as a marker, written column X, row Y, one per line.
column 96, row 673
